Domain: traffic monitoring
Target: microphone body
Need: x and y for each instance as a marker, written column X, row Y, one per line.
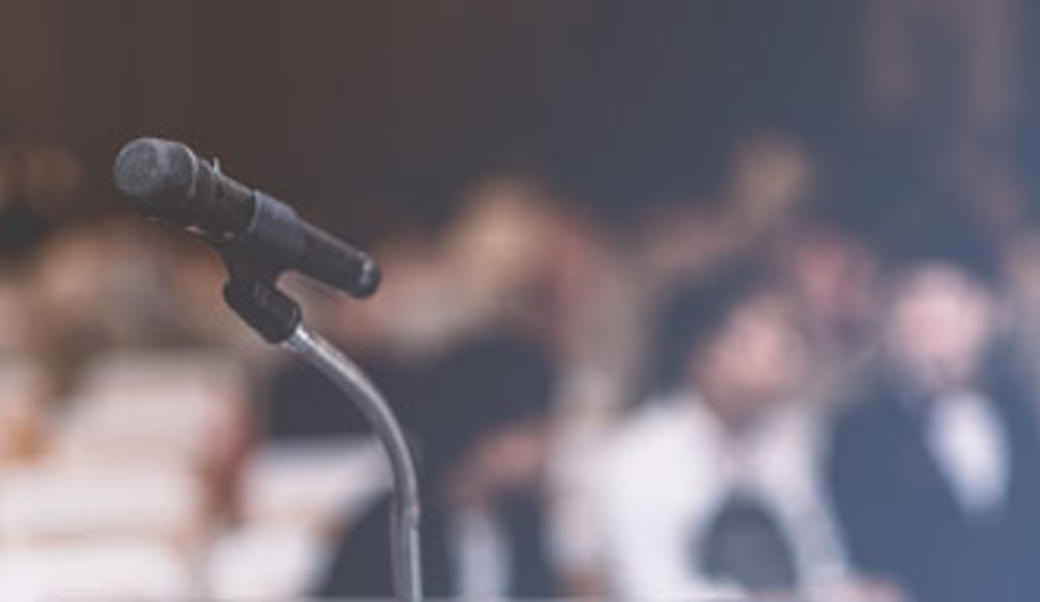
column 166, row 181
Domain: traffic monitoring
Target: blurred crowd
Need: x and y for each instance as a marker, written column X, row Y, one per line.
column 817, row 380
column 760, row 393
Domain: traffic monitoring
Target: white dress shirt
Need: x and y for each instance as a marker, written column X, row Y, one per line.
column 482, row 558
column 968, row 443
column 665, row 476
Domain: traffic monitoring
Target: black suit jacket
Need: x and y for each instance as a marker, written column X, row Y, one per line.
column 361, row 565
column 471, row 392
column 900, row 517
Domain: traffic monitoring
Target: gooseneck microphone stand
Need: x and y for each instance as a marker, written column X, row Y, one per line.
column 404, row 544
column 252, row 293
column 259, row 237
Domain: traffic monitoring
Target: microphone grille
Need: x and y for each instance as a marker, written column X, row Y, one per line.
column 156, row 175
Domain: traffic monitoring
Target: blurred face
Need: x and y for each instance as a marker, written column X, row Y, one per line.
column 756, row 360
column 939, row 326
column 835, row 278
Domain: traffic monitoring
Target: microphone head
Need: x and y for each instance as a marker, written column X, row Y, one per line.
column 157, row 175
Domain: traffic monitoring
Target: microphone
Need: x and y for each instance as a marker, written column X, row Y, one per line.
column 166, row 181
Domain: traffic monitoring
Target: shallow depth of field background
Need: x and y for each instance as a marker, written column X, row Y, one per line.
column 552, row 167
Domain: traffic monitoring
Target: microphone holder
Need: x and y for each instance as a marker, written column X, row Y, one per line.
column 252, row 293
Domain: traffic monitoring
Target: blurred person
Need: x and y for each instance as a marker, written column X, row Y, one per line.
column 479, row 429
column 712, row 487
column 114, row 287
column 120, row 283
column 834, row 275
column 772, row 173
column 37, row 183
column 594, row 320
column 413, row 311
column 498, row 254
column 90, row 291
column 769, row 176
column 935, row 475
column 393, row 337
column 1023, row 272
column 444, row 293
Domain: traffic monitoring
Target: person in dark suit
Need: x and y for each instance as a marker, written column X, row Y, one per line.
column 935, row 476
column 479, row 428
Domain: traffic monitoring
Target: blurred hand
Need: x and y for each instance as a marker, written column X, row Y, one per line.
column 509, row 460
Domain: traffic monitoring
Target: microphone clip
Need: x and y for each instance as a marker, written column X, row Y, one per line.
column 251, row 291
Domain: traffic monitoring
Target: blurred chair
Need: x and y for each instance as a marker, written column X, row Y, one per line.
column 293, row 496
column 120, row 497
column 183, row 407
column 311, row 484
column 49, row 502
column 111, row 569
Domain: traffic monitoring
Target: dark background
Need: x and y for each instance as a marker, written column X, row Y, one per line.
column 367, row 114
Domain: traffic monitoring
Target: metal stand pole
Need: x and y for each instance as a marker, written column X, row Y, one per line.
column 251, row 292
column 405, row 519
